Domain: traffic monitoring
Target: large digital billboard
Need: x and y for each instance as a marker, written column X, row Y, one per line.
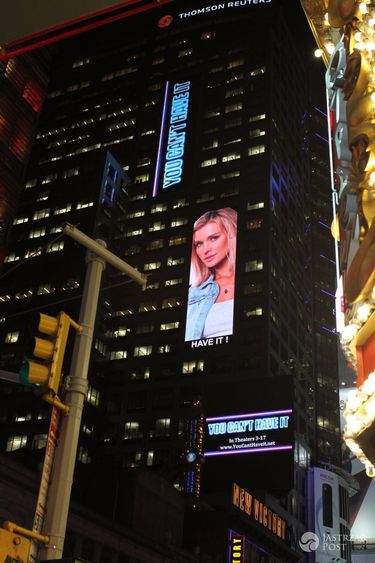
column 248, row 433
column 212, row 277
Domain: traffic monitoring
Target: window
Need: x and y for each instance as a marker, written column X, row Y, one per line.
column 15, row 443
column 257, row 71
column 207, row 35
column 231, row 174
column 253, row 133
column 211, row 144
column 71, row 283
column 120, row 331
column 20, row 220
column 31, row 183
column 211, row 113
column 93, row 396
column 12, row 257
column 257, row 117
column 147, row 132
column 45, row 288
column 4, row 298
column 184, row 52
column 155, row 244
column 117, row 354
column 233, row 107
column 143, row 161
column 175, row 261
column 24, row 294
column 147, row 306
column 33, row 252
column 209, row 162
column 257, row 312
column 253, row 206
column 144, row 328
column 39, row 441
column 158, row 61
column 175, row 281
column 150, row 458
column 176, row 241
column 165, row 349
column 195, row 366
column 254, row 224
column 41, row 214
column 141, row 178
column 133, row 232
column 233, row 92
column 56, row 246
column 42, row 196
column 179, row 203
column 50, row 178
column 157, row 226
column 235, row 63
column 170, row 302
column 133, row 249
column 159, row 207
column 12, row 337
column 178, row 221
column 37, row 232
column 135, row 214
column 132, row 430
column 235, row 77
column 169, row 326
column 142, row 351
column 151, row 266
column 83, row 455
column 84, row 205
column 256, row 150
column 162, row 428
column 253, row 265
column 231, row 156
column 228, row 123
column 61, row 210
column 70, row 173
column 253, row 288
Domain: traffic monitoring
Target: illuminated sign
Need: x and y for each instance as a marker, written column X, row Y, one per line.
column 209, row 318
column 171, row 150
column 221, row 6
column 248, row 433
column 236, row 547
column 258, row 511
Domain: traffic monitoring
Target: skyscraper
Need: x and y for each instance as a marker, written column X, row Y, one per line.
column 204, row 107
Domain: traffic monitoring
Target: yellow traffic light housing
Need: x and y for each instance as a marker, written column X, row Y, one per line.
column 13, row 547
column 46, row 373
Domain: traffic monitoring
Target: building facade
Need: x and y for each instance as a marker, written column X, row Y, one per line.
column 204, row 108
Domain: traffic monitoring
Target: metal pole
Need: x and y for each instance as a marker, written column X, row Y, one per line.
column 62, row 476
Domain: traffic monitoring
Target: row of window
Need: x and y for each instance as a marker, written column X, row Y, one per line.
column 43, row 289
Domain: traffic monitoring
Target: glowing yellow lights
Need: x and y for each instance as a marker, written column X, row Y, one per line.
column 318, row 53
column 358, row 36
column 364, row 310
column 329, row 48
column 363, row 8
column 360, row 414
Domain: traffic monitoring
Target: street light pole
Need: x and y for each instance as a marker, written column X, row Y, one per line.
column 62, row 477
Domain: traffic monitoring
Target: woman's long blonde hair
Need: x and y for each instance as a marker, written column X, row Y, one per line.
column 226, row 218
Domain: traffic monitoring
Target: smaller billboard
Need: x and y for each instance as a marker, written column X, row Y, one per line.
column 248, row 433
column 209, row 318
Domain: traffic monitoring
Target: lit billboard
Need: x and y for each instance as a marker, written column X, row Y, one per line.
column 247, row 446
column 248, row 433
column 212, row 278
column 328, row 518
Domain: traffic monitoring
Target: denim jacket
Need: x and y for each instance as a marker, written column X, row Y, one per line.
column 200, row 301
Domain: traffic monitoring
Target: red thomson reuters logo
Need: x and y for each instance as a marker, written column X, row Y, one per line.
column 165, row 21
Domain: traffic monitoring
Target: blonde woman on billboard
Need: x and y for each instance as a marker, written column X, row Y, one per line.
column 212, row 275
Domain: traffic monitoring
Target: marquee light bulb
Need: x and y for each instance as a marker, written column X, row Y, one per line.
column 358, row 36
column 363, row 8
column 318, row 53
column 364, row 310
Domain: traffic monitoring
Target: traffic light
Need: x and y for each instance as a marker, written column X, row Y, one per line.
column 50, row 351
column 13, row 547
